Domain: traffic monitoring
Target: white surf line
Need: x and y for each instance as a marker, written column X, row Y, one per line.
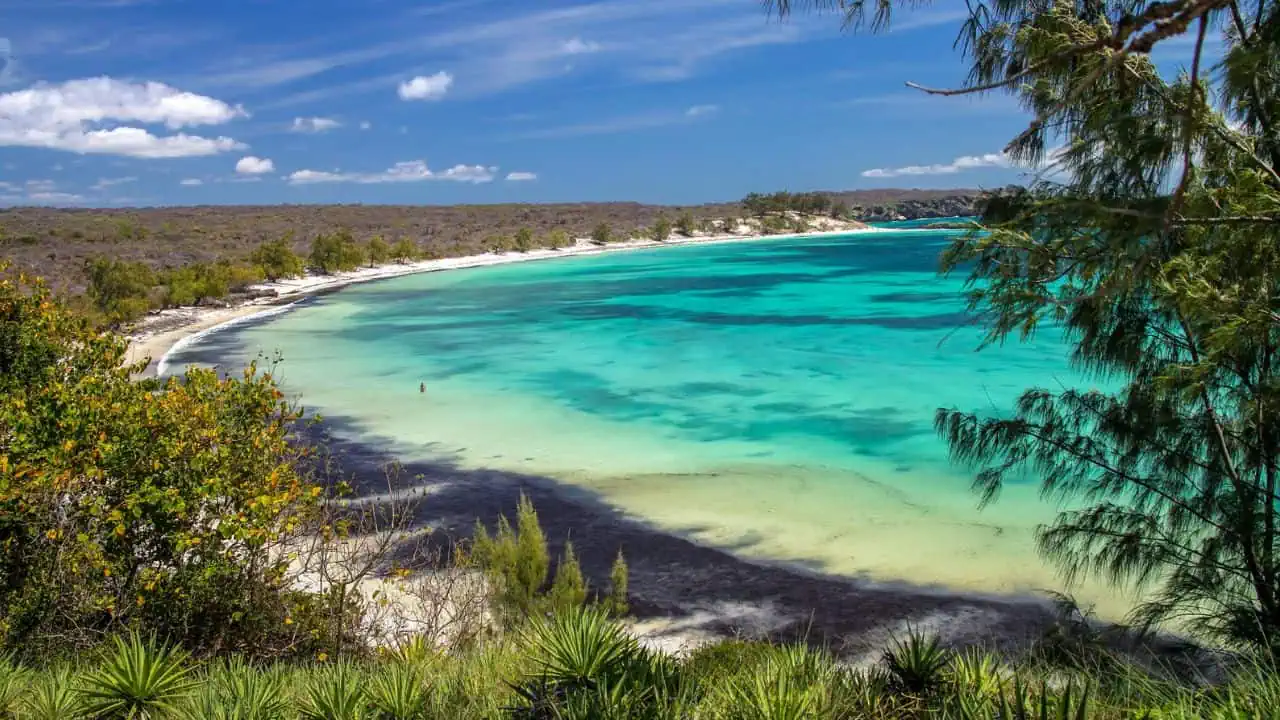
column 195, row 337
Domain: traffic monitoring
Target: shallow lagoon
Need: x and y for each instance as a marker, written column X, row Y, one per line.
column 774, row 398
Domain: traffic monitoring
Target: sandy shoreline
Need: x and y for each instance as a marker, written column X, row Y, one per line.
column 683, row 593
column 159, row 334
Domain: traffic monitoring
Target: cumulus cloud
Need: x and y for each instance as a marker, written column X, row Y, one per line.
column 578, row 46
column 965, row 162
column 250, row 165
column 36, row 192
column 366, row 125
column 191, row 182
column 426, row 87
column 701, row 110
column 314, row 124
column 86, row 116
column 521, row 176
column 410, row 171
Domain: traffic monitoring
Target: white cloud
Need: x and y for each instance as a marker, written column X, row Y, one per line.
column 411, row 171
column 426, row 87
column 36, row 192
column 578, row 46
column 71, row 116
column 250, row 165
column 521, row 176
column 191, row 182
column 104, row 183
column 366, row 125
column 314, row 124
column 965, row 162
column 699, row 110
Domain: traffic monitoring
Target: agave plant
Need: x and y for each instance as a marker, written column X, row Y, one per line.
column 53, row 698
column 237, row 691
column 140, row 679
column 335, row 694
column 13, row 681
column 580, row 647
column 398, row 692
column 414, row 650
column 918, row 664
column 1071, row 703
column 975, row 673
column 774, row 695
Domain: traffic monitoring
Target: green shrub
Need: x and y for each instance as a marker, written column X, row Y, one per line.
column 120, row 289
column 336, row 253
column 661, row 229
column 569, row 588
column 558, row 239
column 377, row 252
column 167, row 534
column 524, row 240
column 602, row 234
column 685, row 225
column 517, row 564
column 404, row 251
column 277, row 260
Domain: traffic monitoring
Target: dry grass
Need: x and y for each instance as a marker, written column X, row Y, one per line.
column 55, row 243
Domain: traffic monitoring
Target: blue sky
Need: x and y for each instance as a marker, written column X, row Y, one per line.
column 182, row 102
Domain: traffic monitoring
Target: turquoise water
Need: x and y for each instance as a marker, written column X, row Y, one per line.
column 771, row 397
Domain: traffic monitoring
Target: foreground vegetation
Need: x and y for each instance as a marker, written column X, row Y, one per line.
column 580, row 665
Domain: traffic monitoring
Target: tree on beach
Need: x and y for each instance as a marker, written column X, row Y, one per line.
column 558, row 239
column 686, row 225
column 661, row 229
column 377, row 252
column 602, row 234
column 1151, row 235
column 404, row 251
column 277, row 259
column 524, row 240
column 336, row 252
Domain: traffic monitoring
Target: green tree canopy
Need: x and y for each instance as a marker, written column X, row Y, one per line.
column 661, row 228
column 1152, row 237
column 377, row 252
column 157, row 505
column 404, row 251
column 336, row 252
column 277, row 260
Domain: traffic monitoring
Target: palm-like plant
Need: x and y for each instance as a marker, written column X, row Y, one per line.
column 917, row 664
column 140, row 679
column 399, row 693
column 335, row 694
column 13, row 680
column 580, row 647
column 975, row 673
column 237, row 691
column 54, row 698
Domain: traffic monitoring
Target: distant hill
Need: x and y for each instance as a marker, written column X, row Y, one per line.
column 55, row 243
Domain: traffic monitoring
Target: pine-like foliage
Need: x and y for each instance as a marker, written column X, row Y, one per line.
column 1152, row 238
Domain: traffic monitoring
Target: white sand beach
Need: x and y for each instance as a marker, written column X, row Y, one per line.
column 156, row 335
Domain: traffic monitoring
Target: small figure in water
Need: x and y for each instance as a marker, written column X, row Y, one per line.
column 422, row 387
